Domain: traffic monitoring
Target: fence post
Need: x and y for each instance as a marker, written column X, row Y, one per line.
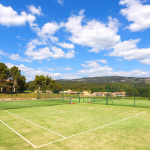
column 63, row 94
column 45, row 93
column 53, row 94
column 134, row 95
column 38, row 94
column 79, row 99
column 83, row 99
column 94, row 100
column 139, row 94
column 107, row 96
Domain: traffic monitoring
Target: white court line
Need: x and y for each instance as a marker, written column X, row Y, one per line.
column 48, row 114
column 89, row 130
column 18, row 134
column 35, row 124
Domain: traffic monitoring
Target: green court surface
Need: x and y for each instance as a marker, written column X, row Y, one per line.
column 74, row 127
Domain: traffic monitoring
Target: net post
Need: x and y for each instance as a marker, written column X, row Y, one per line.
column 63, row 94
column 79, row 99
column 134, row 95
column 83, row 99
column 94, row 100
column 107, row 96
column 38, row 94
column 139, row 94
column 26, row 95
column 90, row 99
column 53, row 94
column 111, row 98
column 71, row 100
column 45, row 93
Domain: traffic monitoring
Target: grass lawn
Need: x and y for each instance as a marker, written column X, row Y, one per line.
column 74, row 127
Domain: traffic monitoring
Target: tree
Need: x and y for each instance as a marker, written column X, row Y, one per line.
column 12, row 77
column 4, row 72
column 130, row 92
column 19, row 80
column 39, row 80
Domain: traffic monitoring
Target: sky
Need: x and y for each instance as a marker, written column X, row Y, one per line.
column 69, row 39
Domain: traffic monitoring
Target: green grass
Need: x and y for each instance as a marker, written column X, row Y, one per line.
column 71, row 121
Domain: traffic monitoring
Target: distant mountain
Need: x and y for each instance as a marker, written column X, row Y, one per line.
column 110, row 79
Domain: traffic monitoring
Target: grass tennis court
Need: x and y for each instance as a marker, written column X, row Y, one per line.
column 70, row 127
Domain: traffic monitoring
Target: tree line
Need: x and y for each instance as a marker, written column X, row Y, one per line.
column 11, row 77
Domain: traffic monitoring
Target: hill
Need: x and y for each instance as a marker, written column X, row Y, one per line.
column 109, row 79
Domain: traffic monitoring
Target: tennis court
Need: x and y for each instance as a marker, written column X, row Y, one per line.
column 78, row 126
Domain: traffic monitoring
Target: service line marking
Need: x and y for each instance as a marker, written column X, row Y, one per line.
column 89, row 130
column 35, row 124
column 18, row 134
column 59, row 134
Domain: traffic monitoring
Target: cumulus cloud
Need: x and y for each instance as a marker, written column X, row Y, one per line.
column 66, row 45
column 3, row 53
column 93, row 33
column 136, row 12
column 129, row 51
column 96, row 50
column 34, row 10
column 30, row 72
column 94, row 69
column 46, row 52
column 17, row 57
column 9, row 17
column 49, row 28
column 59, row 68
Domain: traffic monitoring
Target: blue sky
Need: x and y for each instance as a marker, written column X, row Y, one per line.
column 72, row 39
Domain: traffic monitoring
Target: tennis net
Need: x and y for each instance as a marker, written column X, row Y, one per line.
column 33, row 103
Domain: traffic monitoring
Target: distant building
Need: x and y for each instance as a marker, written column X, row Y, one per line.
column 114, row 94
column 85, row 93
column 122, row 94
column 99, row 94
column 48, row 91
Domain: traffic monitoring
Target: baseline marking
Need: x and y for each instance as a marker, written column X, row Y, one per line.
column 18, row 134
column 89, row 130
column 35, row 124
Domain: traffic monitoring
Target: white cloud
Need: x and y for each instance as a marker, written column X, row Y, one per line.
column 70, row 76
column 96, row 50
column 60, row 1
column 129, row 51
column 136, row 12
column 30, row 72
column 68, row 68
column 46, row 52
column 118, row 59
column 49, row 28
column 17, row 57
column 34, row 10
column 9, row 17
column 50, row 69
column 18, row 37
column 94, row 34
column 94, row 69
column 40, row 62
column 59, row 68
column 2, row 53
column 102, row 61
column 66, row 45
